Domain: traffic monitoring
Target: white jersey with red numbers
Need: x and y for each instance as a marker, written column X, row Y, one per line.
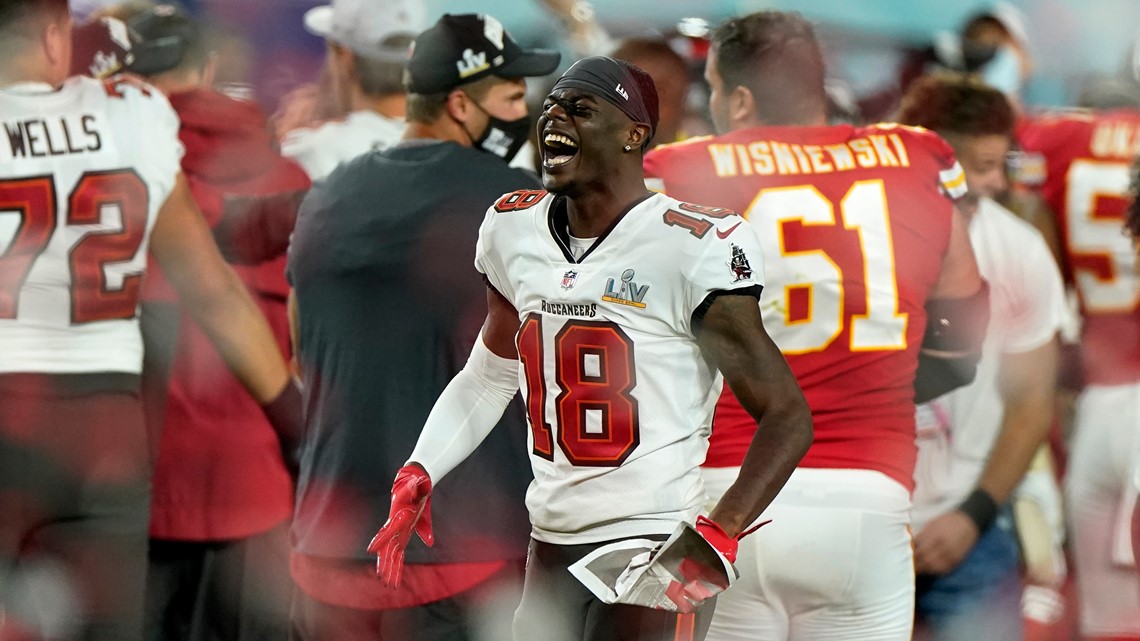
column 618, row 396
column 1086, row 178
column 854, row 222
column 84, row 171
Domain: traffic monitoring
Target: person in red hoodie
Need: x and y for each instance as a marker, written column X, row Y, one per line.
column 222, row 487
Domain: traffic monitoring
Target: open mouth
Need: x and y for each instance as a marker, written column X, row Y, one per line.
column 558, row 149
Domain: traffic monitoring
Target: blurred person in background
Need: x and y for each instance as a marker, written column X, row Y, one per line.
column 367, row 44
column 388, row 307
column 221, row 492
column 670, row 73
column 872, row 291
column 1084, row 174
column 976, row 443
column 91, row 173
column 993, row 43
column 1132, row 224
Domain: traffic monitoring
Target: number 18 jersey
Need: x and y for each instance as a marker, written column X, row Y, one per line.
column 618, row 396
column 854, row 223
column 84, row 170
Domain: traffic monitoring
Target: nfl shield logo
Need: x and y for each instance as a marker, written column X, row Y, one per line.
column 568, row 278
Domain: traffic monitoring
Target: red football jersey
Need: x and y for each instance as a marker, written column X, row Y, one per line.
column 855, row 223
column 1086, row 178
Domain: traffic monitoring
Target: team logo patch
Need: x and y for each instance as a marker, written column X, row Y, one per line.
column 569, row 278
column 739, row 266
column 627, row 293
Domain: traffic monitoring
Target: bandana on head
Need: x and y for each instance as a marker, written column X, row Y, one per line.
column 611, row 80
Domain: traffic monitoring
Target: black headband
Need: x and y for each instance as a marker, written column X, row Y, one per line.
column 611, row 80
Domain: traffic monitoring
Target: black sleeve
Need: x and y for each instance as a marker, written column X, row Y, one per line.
column 698, row 318
column 940, row 375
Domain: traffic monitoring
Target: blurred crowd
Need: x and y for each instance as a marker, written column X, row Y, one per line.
column 256, row 532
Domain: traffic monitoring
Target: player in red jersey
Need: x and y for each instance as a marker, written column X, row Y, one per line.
column 1085, row 181
column 862, row 247
column 1133, row 226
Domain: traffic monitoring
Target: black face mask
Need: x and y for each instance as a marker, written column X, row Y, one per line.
column 502, row 138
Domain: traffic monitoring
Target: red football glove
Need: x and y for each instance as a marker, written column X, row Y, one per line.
column 719, row 539
column 411, row 510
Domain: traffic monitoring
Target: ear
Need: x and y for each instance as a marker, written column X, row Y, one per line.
column 459, row 105
column 57, row 42
column 638, row 134
column 741, row 106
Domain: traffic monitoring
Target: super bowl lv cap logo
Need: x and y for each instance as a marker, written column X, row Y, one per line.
column 471, row 62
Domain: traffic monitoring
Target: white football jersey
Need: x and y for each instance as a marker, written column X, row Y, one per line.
column 84, row 171
column 618, row 395
column 320, row 149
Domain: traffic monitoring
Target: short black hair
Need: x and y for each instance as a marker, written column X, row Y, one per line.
column 957, row 104
column 776, row 56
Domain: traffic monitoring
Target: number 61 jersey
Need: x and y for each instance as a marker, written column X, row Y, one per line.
column 618, row 396
column 855, row 223
column 84, row 170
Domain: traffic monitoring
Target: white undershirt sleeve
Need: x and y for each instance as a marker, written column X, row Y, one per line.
column 469, row 407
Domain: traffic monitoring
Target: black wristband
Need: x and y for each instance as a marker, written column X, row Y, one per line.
column 981, row 508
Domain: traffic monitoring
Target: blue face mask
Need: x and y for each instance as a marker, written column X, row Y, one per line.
column 1003, row 72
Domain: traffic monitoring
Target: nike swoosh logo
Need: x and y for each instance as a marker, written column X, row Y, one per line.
column 724, row 234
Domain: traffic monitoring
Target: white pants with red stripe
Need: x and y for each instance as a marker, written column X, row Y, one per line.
column 835, row 563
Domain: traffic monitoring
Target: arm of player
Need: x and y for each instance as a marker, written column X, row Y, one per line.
column 293, row 315
column 734, row 340
column 1026, row 383
column 463, row 415
column 957, row 313
column 218, row 301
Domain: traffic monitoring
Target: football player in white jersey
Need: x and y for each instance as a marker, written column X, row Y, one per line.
column 616, row 310
column 89, row 180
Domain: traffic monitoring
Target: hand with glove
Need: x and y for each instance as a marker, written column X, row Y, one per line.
column 697, row 578
column 410, row 511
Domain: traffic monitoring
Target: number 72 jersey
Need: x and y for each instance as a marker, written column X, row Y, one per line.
column 619, row 397
column 854, row 223
column 84, row 170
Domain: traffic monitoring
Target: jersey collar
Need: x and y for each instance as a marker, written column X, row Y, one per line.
column 558, row 221
column 29, row 88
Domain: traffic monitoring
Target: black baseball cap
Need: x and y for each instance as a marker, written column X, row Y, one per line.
column 462, row 48
column 165, row 33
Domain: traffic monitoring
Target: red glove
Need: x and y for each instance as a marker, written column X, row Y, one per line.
column 719, row 539
column 411, row 510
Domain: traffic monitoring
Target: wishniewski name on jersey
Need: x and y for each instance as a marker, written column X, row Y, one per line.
column 767, row 157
